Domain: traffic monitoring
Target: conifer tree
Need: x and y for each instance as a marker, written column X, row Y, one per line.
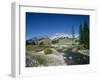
column 86, row 35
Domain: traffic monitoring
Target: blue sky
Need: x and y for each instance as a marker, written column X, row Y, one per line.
column 40, row 24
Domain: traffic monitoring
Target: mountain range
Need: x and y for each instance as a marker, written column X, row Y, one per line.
column 54, row 36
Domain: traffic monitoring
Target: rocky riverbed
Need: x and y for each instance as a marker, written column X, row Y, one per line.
column 65, row 56
column 75, row 58
column 41, row 59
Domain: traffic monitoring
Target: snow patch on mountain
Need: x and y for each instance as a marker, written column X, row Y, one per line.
column 60, row 35
column 54, row 36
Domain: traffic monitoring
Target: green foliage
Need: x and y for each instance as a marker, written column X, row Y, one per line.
column 30, row 43
column 47, row 51
column 84, row 35
column 42, row 43
column 55, row 41
column 36, row 48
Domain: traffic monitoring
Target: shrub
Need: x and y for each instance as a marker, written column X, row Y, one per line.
column 40, row 59
column 35, row 48
column 47, row 51
column 54, row 41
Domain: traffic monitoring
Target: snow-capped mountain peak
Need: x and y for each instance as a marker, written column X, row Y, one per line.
column 59, row 35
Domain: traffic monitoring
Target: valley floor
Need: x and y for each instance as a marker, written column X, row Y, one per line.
column 61, row 55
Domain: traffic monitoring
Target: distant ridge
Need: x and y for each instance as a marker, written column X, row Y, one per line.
column 54, row 36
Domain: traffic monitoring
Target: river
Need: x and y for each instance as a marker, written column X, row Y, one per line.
column 75, row 58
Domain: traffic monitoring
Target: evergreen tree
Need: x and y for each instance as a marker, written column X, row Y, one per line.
column 86, row 35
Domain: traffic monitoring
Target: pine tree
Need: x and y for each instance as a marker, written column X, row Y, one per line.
column 86, row 35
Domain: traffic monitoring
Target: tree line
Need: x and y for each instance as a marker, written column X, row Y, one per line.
column 84, row 35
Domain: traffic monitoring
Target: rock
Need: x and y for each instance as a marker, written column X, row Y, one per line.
column 74, row 49
column 70, row 57
column 53, row 60
column 64, row 58
column 39, row 59
column 31, row 62
column 84, row 52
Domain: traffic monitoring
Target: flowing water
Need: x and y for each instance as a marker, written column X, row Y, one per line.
column 75, row 58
